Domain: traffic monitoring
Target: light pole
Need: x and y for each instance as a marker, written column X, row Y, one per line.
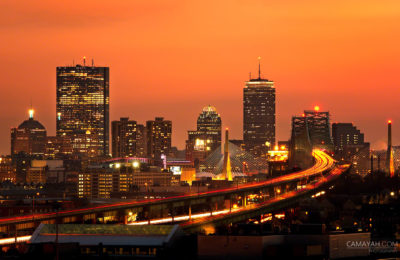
column 33, row 205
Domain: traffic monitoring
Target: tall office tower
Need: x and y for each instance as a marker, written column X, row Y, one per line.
column 206, row 138
column 83, row 108
column 349, row 145
column 389, row 154
column 29, row 137
column 141, row 141
column 259, row 115
column 159, row 133
column 123, row 137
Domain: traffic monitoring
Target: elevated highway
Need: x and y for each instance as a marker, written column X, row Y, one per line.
column 212, row 201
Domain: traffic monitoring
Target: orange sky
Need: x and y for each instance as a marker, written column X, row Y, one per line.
column 171, row 58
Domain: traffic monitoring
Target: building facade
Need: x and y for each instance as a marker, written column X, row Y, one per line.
column 159, row 133
column 29, row 138
column 206, row 138
column 123, row 137
column 349, row 145
column 259, row 115
column 83, row 108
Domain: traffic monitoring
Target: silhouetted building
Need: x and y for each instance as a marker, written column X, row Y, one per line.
column 29, row 137
column 350, row 146
column 259, row 115
column 83, row 108
column 159, row 133
column 206, row 138
column 123, row 137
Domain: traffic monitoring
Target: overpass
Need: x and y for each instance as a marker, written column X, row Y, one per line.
column 171, row 207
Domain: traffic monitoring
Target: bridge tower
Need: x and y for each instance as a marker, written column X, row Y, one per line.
column 311, row 130
column 227, row 169
column 300, row 147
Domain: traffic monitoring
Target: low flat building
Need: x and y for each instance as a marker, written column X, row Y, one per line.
column 147, row 241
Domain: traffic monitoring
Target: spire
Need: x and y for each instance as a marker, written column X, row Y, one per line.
column 31, row 112
column 259, row 67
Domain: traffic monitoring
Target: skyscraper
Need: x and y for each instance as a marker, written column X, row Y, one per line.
column 259, row 115
column 159, row 133
column 123, row 137
column 83, row 108
column 207, row 137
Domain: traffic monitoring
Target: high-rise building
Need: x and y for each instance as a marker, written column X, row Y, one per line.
column 349, row 145
column 123, row 137
column 206, row 138
column 83, row 108
column 159, row 133
column 259, row 115
column 29, row 137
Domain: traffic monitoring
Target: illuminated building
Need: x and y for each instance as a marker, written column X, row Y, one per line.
column 389, row 165
column 279, row 153
column 159, row 133
column 141, row 141
column 101, row 183
column 7, row 173
column 123, row 137
column 29, row 137
column 349, row 145
column 206, row 138
column 259, row 115
column 83, row 108
column 58, row 147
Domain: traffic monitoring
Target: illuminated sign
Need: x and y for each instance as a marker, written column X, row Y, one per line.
column 176, row 170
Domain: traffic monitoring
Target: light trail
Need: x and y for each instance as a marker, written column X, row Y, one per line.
column 11, row 240
column 182, row 218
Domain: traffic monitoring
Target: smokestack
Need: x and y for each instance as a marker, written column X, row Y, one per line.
column 389, row 154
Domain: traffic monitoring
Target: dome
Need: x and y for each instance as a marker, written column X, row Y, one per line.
column 209, row 108
column 31, row 124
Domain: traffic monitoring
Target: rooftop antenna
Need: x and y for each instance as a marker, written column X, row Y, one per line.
column 84, row 61
column 92, row 62
column 259, row 67
column 73, row 62
column 249, row 75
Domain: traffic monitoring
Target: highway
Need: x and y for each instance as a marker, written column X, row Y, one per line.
column 323, row 162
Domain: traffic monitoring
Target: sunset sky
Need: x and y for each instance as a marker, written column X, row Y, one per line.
column 171, row 58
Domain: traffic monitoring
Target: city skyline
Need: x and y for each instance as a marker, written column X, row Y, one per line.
column 171, row 81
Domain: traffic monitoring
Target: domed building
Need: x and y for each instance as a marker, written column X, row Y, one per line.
column 29, row 137
column 206, row 138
